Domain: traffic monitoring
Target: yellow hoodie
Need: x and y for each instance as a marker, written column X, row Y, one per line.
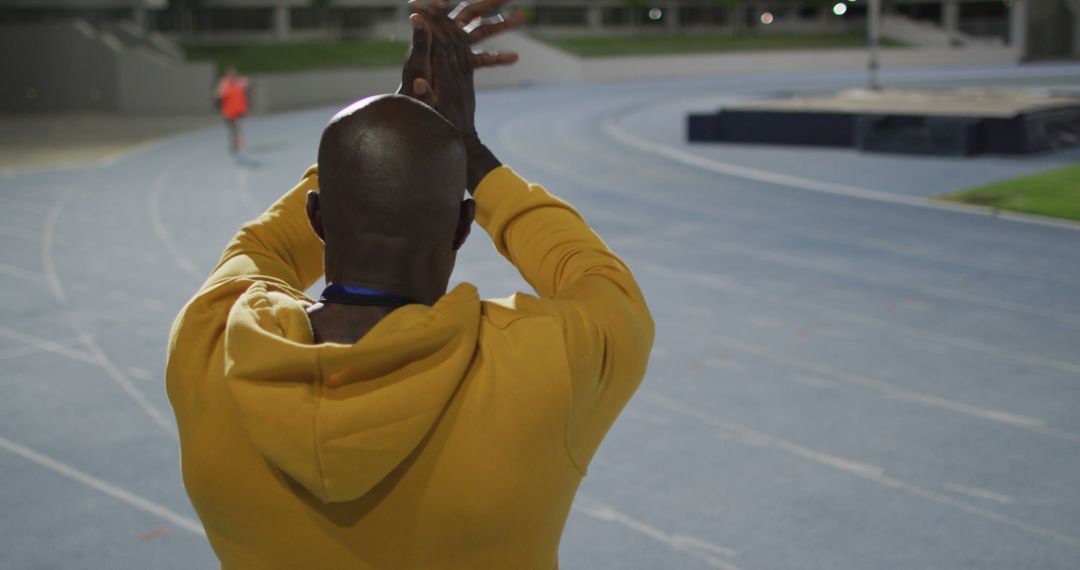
column 451, row 436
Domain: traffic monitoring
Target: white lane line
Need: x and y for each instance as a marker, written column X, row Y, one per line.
column 823, row 266
column 654, row 419
column 719, row 282
column 838, row 267
column 47, row 345
column 19, row 272
column 705, row 551
column 153, row 205
column 125, row 384
column 813, row 381
column 27, row 349
column 979, row 493
column 893, row 392
column 101, row 486
column 48, row 238
column 98, row 357
column 141, row 374
column 862, row 470
column 885, row 388
column 616, row 132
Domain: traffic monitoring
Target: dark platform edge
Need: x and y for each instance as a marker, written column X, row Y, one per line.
column 1031, row 131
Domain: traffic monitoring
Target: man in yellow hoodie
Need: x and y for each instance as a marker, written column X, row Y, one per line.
column 393, row 424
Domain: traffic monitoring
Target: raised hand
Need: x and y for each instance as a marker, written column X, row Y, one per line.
column 469, row 17
column 439, row 69
column 468, row 27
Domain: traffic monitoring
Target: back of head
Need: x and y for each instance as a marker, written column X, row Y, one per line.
column 392, row 170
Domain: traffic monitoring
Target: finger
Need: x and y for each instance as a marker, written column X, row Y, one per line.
column 422, row 91
column 421, row 40
column 493, row 58
column 471, row 9
column 418, row 61
column 439, row 27
column 436, row 7
column 488, row 27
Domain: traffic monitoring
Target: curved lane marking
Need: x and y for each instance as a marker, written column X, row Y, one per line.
column 153, row 205
column 510, row 142
column 48, row 239
column 96, row 354
column 616, row 132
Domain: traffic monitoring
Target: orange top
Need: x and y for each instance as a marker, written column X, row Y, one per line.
column 233, row 93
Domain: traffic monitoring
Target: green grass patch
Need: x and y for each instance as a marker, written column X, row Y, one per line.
column 1055, row 193
column 269, row 58
column 607, row 46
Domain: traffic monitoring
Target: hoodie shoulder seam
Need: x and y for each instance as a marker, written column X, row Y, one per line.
column 516, row 314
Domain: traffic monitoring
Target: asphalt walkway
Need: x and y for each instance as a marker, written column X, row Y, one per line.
column 34, row 142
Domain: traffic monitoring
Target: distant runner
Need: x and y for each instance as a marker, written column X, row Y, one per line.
column 232, row 100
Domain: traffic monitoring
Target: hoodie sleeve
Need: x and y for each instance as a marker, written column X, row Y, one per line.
column 608, row 331
column 278, row 245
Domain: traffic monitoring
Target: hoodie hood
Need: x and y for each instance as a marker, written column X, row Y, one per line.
column 339, row 418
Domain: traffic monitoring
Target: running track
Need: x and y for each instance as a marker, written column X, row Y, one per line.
column 844, row 377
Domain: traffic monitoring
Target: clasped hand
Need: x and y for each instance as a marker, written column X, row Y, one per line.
column 440, row 64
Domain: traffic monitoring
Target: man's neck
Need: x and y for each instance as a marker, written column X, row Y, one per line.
column 413, row 276
column 343, row 324
column 387, row 266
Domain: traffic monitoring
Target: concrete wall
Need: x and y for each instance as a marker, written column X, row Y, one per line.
column 282, row 91
column 147, row 85
column 71, row 66
column 56, row 67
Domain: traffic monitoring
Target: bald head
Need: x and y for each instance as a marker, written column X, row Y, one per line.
column 390, row 206
column 392, row 167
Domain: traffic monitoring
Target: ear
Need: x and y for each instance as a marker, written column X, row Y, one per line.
column 314, row 214
column 465, row 220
